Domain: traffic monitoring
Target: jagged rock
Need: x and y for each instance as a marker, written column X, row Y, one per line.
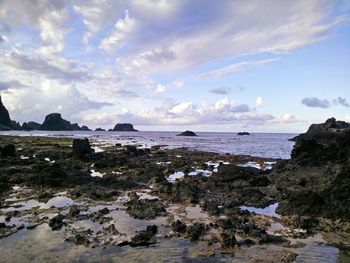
column 187, row 133
column 99, row 129
column 15, row 125
column 31, row 125
column 81, row 146
column 56, row 223
column 314, row 181
column 4, row 116
column 85, row 128
column 124, row 127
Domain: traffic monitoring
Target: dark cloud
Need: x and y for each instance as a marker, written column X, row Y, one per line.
column 13, row 84
column 221, row 90
column 316, row 102
column 341, row 101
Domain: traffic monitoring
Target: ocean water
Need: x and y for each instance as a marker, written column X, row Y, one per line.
column 270, row 145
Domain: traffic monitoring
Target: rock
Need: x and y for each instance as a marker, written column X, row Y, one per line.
column 124, row 127
column 104, row 211
column 2, row 225
column 4, row 116
column 55, row 122
column 81, row 147
column 15, row 125
column 85, row 128
column 144, row 238
column 31, row 125
column 56, row 223
column 100, row 129
column 179, row 227
column 243, row 133
column 8, row 150
column 4, row 128
column 228, row 238
column 195, row 231
column 314, row 181
column 187, row 133
column 145, row 208
column 74, row 211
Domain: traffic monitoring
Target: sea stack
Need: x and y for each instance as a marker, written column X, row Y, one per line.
column 124, row 127
column 55, row 122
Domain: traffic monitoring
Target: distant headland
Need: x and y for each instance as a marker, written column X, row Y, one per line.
column 52, row 122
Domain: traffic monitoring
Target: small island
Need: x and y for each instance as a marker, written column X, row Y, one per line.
column 243, row 133
column 187, row 133
column 124, row 127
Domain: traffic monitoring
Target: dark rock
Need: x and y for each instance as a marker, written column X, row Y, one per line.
column 81, row 146
column 179, row 227
column 314, row 181
column 31, row 125
column 145, row 208
column 15, row 125
column 228, row 238
column 56, row 223
column 85, row 128
column 100, row 129
column 243, row 133
column 187, row 133
column 2, row 225
column 195, row 231
column 144, row 238
column 55, row 122
column 104, row 211
column 8, row 150
column 74, row 211
column 124, row 127
column 4, row 116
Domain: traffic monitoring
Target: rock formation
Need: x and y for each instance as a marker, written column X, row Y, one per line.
column 5, row 121
column 187, row 133
column 55, row 122
column 124, row 127
column 316, row 181
column 31, row 125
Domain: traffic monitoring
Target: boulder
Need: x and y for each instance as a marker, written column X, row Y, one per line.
column 124, row 127
column 187, row 133
column 81, row 147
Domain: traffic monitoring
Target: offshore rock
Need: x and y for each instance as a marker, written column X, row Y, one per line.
column 124, row 127
column 187, row 133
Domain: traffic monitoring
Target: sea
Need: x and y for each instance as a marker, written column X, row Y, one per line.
column 268, row 145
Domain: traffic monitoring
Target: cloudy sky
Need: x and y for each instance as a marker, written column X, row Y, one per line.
column 264, row 65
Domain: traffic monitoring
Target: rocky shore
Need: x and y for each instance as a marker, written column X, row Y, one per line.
column 218, row 207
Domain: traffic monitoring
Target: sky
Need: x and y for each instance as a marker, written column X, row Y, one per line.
column 226, row 65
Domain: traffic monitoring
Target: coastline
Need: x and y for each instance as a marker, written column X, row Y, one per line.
column 135, row 190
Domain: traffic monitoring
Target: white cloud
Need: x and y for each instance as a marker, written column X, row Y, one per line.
column 161, row 88
column 234, row 68
column 64, row 71
column 33, row 103
column 122, row 30
column 259, row 102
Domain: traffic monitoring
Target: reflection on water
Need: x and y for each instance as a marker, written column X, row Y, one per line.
column 268, row 211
